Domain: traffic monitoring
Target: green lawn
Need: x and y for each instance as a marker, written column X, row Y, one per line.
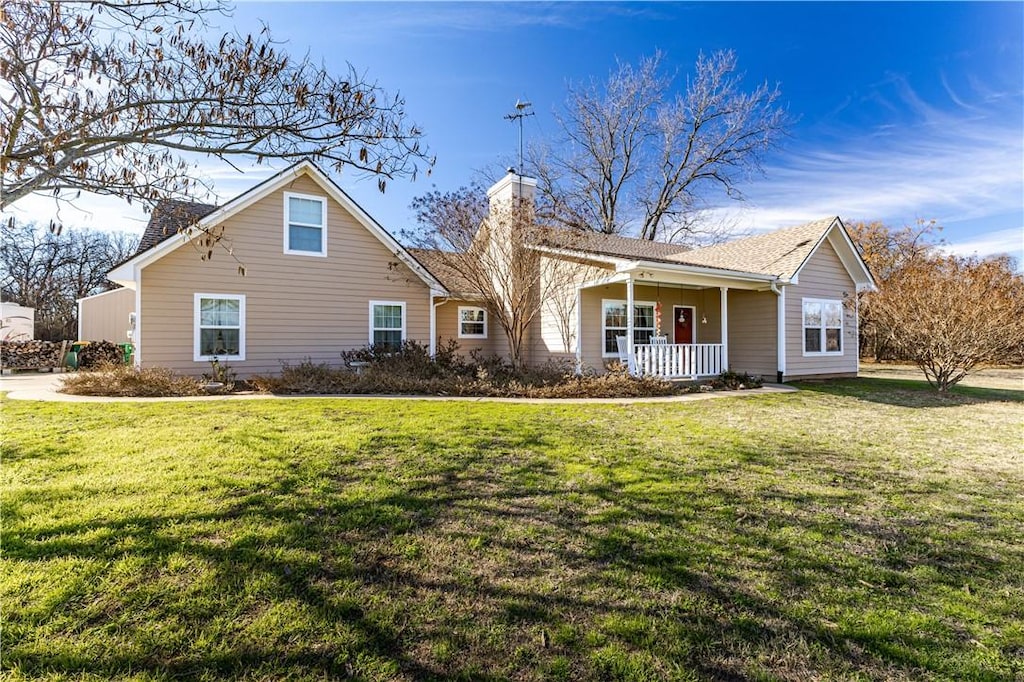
column 856, row 530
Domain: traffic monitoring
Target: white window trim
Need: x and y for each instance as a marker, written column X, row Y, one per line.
column 604, row 328
column 460, row 321
column 804, row 327
column 322, row 253
column 398, row 303
column 196, row 356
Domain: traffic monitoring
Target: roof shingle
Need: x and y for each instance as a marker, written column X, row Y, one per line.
column 170, row 217
column 442, row 270
column 600, row 243
column 779, row 253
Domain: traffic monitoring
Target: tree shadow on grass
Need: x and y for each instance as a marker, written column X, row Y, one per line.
column 487, row 561
column 908, row 392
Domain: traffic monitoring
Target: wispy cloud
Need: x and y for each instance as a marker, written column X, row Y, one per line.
column 404, row 20
column 1010, row 240
column 962, row 164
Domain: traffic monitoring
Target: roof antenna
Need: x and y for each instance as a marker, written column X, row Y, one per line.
column 519, row 114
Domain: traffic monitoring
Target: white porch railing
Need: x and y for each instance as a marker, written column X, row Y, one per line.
column 678, row 360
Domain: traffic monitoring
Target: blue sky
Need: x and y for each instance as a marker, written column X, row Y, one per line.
column 904, row 110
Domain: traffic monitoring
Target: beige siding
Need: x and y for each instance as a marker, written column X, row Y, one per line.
column 553, row 334
column 753, row 340
column 296, row 306
column 706, row 302
column 105, row 317
column 447, row 322
column 823, row 276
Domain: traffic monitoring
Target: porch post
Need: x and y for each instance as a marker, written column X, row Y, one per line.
column 630, row 363
column 725, row 327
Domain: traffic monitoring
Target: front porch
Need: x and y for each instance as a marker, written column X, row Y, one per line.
column 677, row 326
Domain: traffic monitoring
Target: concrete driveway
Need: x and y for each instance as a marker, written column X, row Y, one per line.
column 46, row 382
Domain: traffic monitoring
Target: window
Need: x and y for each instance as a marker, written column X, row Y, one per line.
column 614, row 323
column 305, row 218
column 472, row 323
column 823, row 327
column 219, row 327
column 387, row 323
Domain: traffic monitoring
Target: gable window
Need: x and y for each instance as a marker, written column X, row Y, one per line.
column 823, row 326
column 614, row 323
column 472, row 323
column 219, row 327
column 387, row 323
column 305, row 220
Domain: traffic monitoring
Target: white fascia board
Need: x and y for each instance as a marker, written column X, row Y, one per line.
column 121, row 273
column 848, row 254
column 600, row 281
column 721, row 273
column 102, row 293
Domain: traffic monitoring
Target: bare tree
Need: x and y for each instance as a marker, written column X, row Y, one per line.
column 887, row 251
column 948, row 314
column 493, row 253
column 110, row 96
column 638, row 158
column 49, row 271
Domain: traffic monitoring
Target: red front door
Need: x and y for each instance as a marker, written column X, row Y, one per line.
column 683, row 321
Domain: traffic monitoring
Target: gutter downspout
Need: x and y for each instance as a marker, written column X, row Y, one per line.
column 433, row 322
column 780, row 326
column 137, row 335
column 579, row 331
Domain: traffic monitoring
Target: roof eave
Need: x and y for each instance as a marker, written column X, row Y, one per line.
column 698, row 270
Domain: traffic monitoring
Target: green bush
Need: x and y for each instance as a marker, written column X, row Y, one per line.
column 734, row 381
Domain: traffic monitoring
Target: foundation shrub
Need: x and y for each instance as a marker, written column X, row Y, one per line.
column 410, row 371
column 734, row 381
column 118, row 380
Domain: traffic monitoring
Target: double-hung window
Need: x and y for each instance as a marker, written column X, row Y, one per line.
column 387, row 324
column 219, row 327
column 305, row 225
column 823, row 326
column 614, row 323
column 472, row 323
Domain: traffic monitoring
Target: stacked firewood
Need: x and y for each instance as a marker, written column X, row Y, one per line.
column 98, row 353
column 32, row 354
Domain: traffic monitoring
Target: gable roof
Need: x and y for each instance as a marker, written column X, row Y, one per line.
column 780, row 253
column 124, row 273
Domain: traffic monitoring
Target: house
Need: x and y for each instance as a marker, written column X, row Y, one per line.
column 322, row 276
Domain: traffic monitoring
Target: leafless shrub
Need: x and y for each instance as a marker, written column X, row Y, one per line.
column 127, row 381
